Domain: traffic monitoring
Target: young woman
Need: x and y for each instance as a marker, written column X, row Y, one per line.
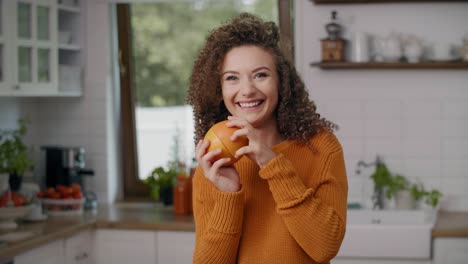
column 284, row 201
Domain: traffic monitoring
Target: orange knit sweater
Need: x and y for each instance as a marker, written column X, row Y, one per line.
column 291, row 211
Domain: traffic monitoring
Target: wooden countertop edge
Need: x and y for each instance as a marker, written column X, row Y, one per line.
column 438, row 233
column 31, row 243
column 161, row 226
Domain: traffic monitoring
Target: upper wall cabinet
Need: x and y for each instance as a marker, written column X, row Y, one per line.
column 40, row 48
column 379, row 1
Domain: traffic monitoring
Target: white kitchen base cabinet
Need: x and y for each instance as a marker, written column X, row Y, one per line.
column 79, row 248
column 378, row 261
column 450, row 250
column 52, row 253
column 125, row 247
column 175, row 247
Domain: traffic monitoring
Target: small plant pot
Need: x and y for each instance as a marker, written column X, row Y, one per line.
column 165, row 195
column 404, row 200
column 15, row 181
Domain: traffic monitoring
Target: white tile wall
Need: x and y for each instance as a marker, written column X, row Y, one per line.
column 417, row 120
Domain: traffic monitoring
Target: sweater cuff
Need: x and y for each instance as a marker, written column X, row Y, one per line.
column 228, row 212
column 285, row 185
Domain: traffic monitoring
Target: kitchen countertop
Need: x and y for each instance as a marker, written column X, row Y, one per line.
column 451, row 224
column 157, row 217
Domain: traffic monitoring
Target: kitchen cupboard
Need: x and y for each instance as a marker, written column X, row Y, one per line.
column 125, row 246
column 175, row 246
column 378, row 261
column 77, row 249
column 52, row 253
column 156, row 247
column 450, row 250
column 40, row 48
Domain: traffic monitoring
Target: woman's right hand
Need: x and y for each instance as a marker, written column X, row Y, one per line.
column 225, row 178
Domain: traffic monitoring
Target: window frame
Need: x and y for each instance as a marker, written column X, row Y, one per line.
column 133, row 187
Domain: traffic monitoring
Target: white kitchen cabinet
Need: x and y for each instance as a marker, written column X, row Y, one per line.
column 450, row 250
column 79, row 248
column 40, row 48
column 52, row 253
column 378, row 261
column 175, row 247
column 125, row 246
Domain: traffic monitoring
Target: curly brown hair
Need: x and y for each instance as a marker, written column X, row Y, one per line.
column 295, row 113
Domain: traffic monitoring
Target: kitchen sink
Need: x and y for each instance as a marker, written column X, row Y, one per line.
column 404, row 234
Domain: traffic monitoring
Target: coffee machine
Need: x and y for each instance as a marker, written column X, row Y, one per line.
column 65, row 165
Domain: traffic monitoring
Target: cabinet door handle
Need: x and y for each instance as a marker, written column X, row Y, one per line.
column 16, row 87
column 83, row 255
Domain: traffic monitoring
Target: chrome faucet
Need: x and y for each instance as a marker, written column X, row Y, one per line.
column 378, row 195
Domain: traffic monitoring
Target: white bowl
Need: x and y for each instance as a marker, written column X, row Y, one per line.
column 8, row 215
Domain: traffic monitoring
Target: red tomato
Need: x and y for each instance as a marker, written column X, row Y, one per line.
column 66, row 191
column 77, row 195
column 50, row 192
column 76, row 188
column 55, row 195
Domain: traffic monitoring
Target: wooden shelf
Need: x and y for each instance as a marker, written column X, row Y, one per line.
column 391, row 65
column 380, row 1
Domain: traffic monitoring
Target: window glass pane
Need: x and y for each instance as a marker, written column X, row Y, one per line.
column 43, row 63
column 1, row 62
column 24, row 64
column 42, row 23
column 166, row 40
column 24, row 20
column 1, row 17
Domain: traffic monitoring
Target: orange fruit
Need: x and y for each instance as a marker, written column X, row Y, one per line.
column 219, row 136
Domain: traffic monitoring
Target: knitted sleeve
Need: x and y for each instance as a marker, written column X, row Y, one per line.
column 218, row 222
column 316, row 218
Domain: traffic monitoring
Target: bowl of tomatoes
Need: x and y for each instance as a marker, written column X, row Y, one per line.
column 62, row 200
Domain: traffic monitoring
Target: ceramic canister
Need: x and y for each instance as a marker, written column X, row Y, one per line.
column 360, row 47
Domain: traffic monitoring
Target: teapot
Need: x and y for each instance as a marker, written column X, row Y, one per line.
column 391, row 47
column 413, row 48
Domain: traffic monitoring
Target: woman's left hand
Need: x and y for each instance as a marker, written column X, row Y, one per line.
column 258, row 150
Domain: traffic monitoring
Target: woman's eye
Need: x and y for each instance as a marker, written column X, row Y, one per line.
column 261, row 75
column 231, row 78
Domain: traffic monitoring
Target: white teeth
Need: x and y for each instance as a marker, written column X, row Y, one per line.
column 252, row 104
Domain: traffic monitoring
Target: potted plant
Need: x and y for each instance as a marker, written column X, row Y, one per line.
column 14, row 155
column 399, row 188
column 430, row 198
column 161, row 182
column 381, row 178
column 406, row 195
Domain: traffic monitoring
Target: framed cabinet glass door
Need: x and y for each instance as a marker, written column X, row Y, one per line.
column 5, row 76
column 35, row 47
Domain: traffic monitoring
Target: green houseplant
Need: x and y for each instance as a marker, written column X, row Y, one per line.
column 161, row 181
column 398, row 187
column 14, row 154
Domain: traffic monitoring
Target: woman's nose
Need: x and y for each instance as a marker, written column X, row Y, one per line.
column 248, row 87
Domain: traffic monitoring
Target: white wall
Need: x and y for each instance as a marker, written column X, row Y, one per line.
column 416, row 119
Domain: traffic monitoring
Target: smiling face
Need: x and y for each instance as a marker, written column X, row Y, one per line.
column 249, row 82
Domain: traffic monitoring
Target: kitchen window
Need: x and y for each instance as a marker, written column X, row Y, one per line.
column 158, row 43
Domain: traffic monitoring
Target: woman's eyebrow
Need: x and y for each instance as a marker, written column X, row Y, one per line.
column 232, row 72
column 261, row 68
